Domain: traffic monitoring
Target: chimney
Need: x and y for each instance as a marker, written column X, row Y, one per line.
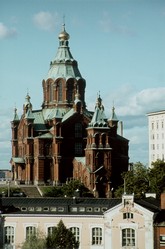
column 162, row 201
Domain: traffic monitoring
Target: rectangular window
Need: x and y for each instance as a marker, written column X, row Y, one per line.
column 162, row 239
column 9, row 235
column 152, row 126
column 30, row 231
column 76, row 232
column 50, row 230
column 38, row 209
column 78, row 130
column 127, row 215
column 96, row 236
column 78, row 148
column 81, row 209
column 53, row 209
column 31, row 209
column 128, row 237
column 60, row 209
column 73, row 209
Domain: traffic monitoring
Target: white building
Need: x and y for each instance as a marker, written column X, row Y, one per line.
column 96, row 223
column 156, row 126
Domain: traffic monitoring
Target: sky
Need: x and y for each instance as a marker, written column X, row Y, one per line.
column 120, row 49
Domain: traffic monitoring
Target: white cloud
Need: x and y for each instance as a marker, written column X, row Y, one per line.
column 108, row 25
column 129, row 102
column 6, row 32
column 131, row 107
column 45, row 20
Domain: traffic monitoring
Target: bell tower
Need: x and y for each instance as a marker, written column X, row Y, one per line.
column 98, row 152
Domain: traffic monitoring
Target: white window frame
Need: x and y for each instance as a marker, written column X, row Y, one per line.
column 49, row 225
column 76, row 232
column 99, row 236
column 130, row 237
column 29, row 225
column 11, row 244
column 131, row 226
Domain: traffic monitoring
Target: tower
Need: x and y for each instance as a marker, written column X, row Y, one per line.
column 98, row 152
column 63, row 78
column 106, row 154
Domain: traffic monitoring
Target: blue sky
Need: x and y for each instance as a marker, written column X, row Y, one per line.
column 120, row 49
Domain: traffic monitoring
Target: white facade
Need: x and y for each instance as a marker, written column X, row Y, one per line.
column 125, row 226
column 156, row 127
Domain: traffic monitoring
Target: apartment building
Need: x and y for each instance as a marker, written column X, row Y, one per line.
column 156, row 128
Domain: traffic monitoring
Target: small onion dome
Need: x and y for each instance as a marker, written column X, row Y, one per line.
column 64, row 35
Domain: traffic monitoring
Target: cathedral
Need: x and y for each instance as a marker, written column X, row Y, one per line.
column 64, row 140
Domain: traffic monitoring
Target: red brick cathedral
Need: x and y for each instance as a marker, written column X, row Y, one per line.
column 64, row 140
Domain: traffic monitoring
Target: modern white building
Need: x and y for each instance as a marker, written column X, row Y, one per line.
column 156, row 126
column 96, row 223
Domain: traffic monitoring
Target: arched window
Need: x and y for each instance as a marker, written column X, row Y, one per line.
column 60, row 91
column 76, row 232
column 51, row 88
column 9, row 235
column 30, row 231
column 70, row 92
column 97, row 137
column 128, row 237
column 96, row 236
column 104, row 139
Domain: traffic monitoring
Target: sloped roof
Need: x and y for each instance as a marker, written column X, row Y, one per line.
column 99, row 119
column 57, row 112
column 80, row 159
column 46, row 135
column 68, row 114
column 28, row 205
column 39, row 123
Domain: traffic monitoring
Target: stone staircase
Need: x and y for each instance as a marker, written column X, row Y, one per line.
column 30, row 191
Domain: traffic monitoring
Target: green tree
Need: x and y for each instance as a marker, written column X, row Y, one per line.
column 70, row 189
column 75, row 188
column 62, row 238
column 135, row 181
column 142, row 180
column 36, row 241
column 157, row 177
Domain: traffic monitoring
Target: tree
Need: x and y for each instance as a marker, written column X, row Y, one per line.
column 61, row 238
column 135, row 181
column 75, row 188
column 157, row 177
column 143, row 180
column 36, row 241
column 70, row 189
